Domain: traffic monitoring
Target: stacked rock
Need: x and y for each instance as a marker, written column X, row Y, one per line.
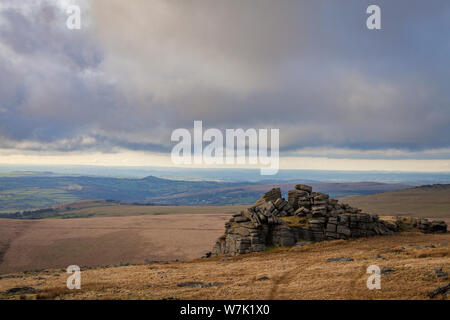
column 317, row 229
column 426, row 226
column 272, row 195
column 421, row 224
column 241, row 236
column 318, row 218
column 272, row 204
column 300, row 196
column 357, row 225
column 316, row 204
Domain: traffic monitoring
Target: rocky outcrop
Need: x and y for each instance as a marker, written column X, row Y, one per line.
column 306, row 215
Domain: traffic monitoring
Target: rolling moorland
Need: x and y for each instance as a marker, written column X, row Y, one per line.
column 130, row 251
column 104, row 227
column 424, row 201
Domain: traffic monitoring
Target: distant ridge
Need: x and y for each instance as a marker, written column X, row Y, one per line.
column 437, row 186
column 38, row 191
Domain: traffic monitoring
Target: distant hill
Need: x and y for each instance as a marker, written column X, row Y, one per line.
column 32, row 191
column 37, row 190
column 425, row 201
column 247, row 194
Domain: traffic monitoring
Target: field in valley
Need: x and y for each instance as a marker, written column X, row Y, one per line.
column 287, row 273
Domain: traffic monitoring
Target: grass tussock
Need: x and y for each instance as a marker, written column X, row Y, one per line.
column 60, row 292
column 438, row 252
column 295, row 221
column 52, row 293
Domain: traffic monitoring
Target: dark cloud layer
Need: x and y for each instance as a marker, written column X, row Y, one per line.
column 142, row 69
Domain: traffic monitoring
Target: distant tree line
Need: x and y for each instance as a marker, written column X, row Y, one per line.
column 29, row 214
column 58, row 212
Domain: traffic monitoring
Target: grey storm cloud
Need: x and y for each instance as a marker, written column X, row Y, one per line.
column 141, row 69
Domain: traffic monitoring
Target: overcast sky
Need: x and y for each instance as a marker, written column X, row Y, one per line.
column 343, row 96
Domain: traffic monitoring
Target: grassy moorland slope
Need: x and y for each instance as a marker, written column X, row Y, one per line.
column 424, row 201
column 294, row 273
column 55, row 243
column 102, row 208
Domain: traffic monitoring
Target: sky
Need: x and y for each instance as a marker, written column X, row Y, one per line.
column 344, row 97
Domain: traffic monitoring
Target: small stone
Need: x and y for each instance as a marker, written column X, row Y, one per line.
column 340, row 259
column 197, row 284
column 440, row 274
column 21, row 290
column 387, row 270
column 443, row 290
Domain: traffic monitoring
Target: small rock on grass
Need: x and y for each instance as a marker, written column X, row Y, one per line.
column 21, row 290
column 440, row 274
column 387, row 270
column 197, row 284
column 443, row 290
column 148, row 261
column 340, row 259
column 11, row 277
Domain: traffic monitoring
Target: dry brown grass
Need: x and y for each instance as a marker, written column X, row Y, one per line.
column 30, row 245
column 439, row 252
column 294, row 273
column 418, row 202
column 101, row 209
